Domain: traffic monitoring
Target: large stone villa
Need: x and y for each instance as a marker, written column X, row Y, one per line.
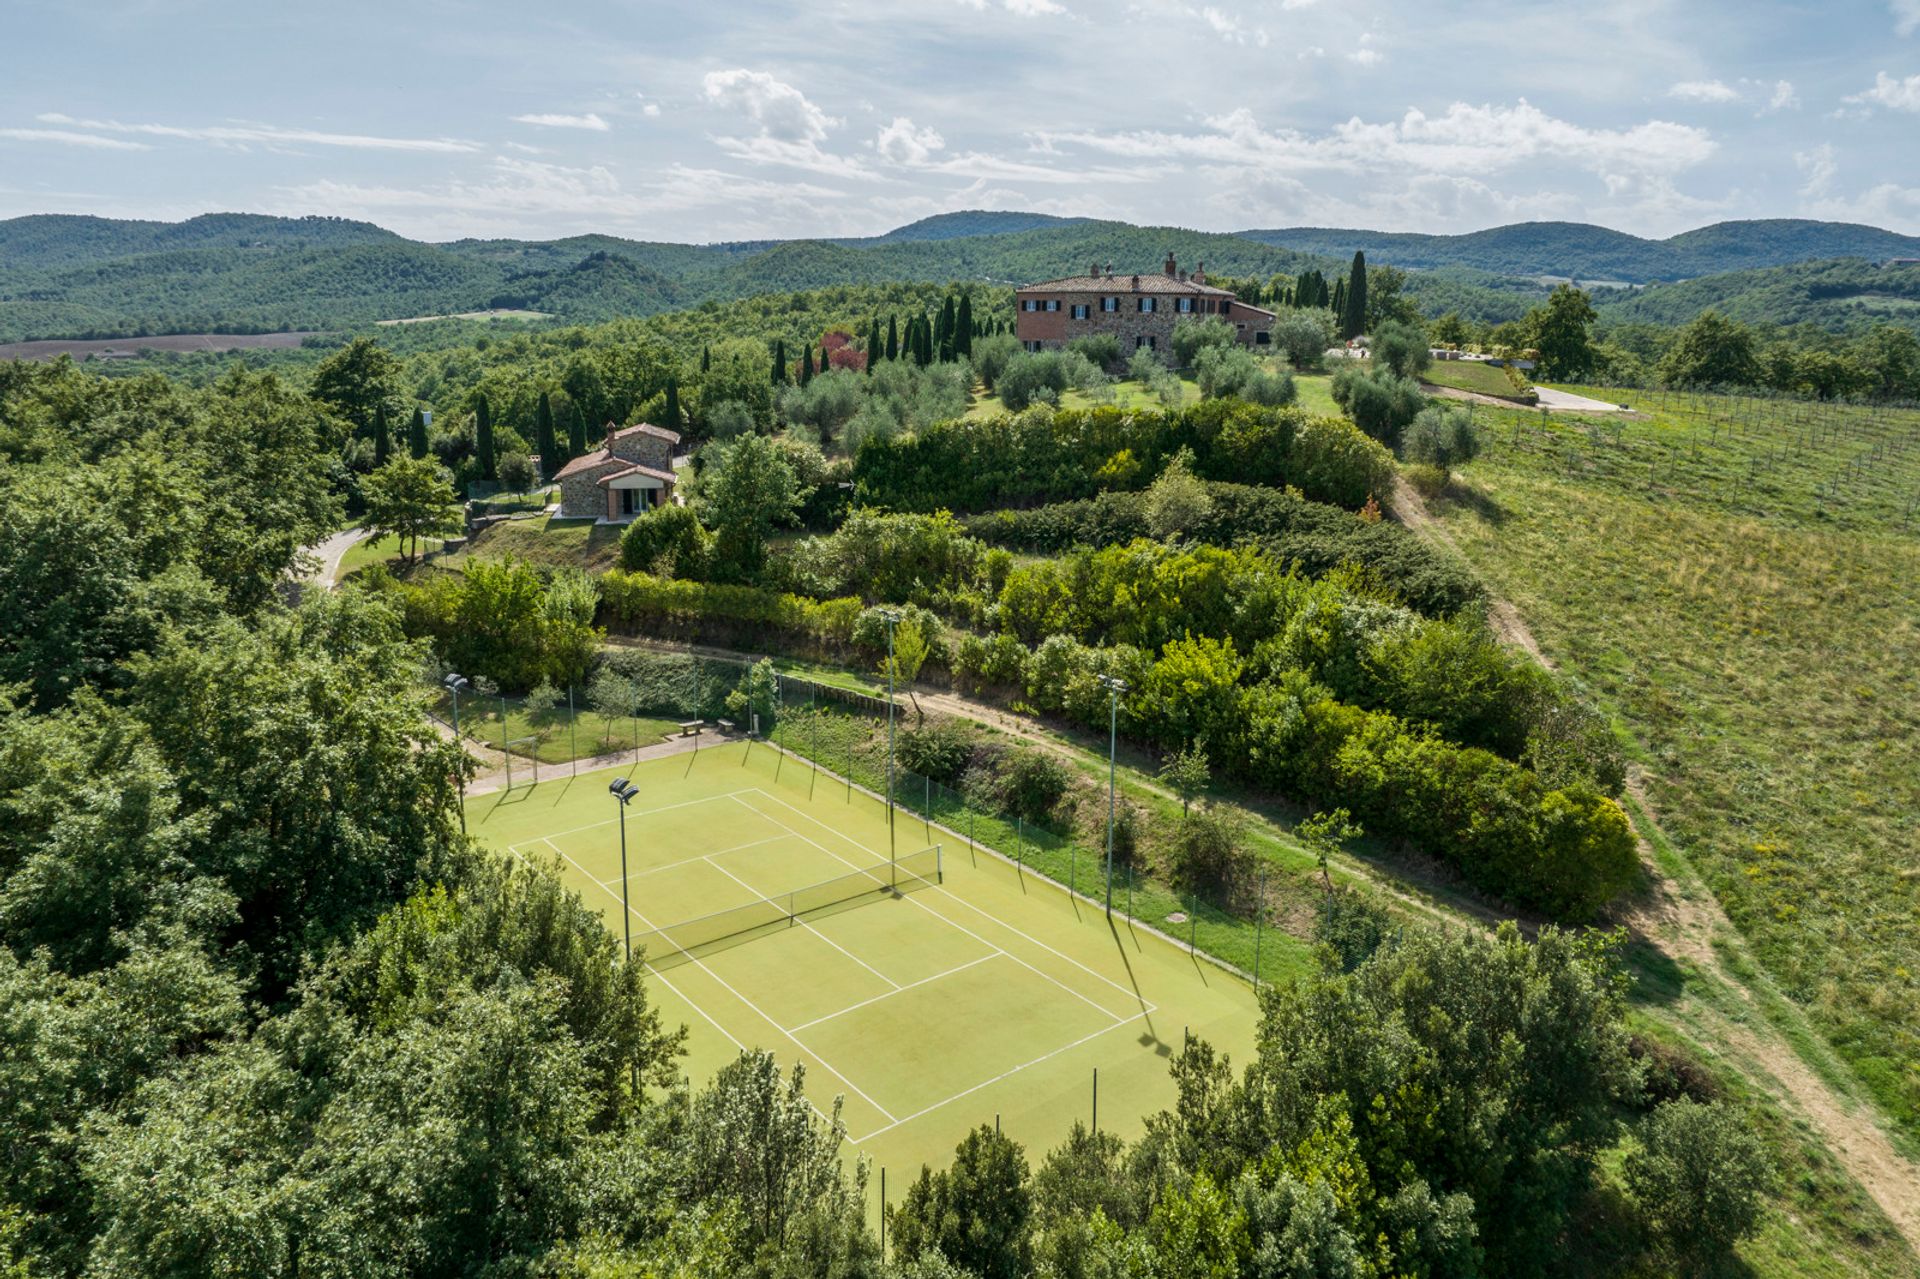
column 1140, row 310
column 632, row 472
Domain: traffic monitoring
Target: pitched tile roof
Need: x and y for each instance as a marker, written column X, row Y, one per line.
column 1145, row 282
column 587, row 462
column 648, row 428
column 637, row 469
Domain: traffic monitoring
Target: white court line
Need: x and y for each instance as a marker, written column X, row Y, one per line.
column 1045, row 976
column 998, row 954
column 1146, row 1005
column 737, row 848
column 809, row 927
column 645, row 812
column 701, row 965
column 987, row 1083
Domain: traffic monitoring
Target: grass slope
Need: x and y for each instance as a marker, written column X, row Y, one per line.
column 1761, row 640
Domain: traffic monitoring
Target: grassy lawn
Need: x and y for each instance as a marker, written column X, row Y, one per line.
column 1761, row 642
column 546, row 539
column 561, row 738
column 1126, row 395
column 1469, row 375
column 1316, row 393
column 377, row 550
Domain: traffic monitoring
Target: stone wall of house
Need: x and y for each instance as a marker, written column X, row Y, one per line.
column 645, row 450
column 581, row 497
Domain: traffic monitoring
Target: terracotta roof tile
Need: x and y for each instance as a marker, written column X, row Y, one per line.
column 586, row 462
column 637, row 469
column 1148, row 282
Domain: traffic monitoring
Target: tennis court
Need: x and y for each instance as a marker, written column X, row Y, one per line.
column 934, row 986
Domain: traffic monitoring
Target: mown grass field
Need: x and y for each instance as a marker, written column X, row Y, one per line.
column 1469, row 375
column 1757, row 630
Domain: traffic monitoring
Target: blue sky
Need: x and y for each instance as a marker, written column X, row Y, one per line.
column 712, row 121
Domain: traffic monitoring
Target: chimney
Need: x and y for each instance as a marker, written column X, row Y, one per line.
column 611, row 429
column 1109, row 268
column 1136, row 284
column 1094, row 270
column 1200, row 274
column 1171, row 270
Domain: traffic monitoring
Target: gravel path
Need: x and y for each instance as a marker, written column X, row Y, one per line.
column 330, row 552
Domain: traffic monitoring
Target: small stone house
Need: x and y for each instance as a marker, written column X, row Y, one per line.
column 632, row 472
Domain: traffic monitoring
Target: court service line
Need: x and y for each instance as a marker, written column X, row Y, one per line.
column 646, row 812
column 809, row 927
column 688, row 861
column 805, row 1025
column 988, row 1083
column 1043, row 975
column 1132, row 995
column 691, row 1003
column 723, row 984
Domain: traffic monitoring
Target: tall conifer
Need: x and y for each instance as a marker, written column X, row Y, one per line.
column 483, row 439
column 779, row 362
column 806, row 364
column 963, row 336
column 544, row 438
column 417, row 433
column 1354, row 318
column 577, row 431
column 893, row 338
column 673, row 404
column 382, row 438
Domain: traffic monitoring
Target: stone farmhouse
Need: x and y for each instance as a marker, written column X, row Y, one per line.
column 1139, row 310
column 631, row 473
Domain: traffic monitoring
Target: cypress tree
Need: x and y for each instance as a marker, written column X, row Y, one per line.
column 779, row 361
column 873, row 344
column 806, row 364
column 963, row 340
column 706, row 359
column 483, row 439
column 826, row 361
column 382, row 438
column 926, row 344
column 577, row 431
column 544, row 438
column 673, row 404
column 1339, row 304
column 893, row 338
column 417, row 434
column 1356, row 313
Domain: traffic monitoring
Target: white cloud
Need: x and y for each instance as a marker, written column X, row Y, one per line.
column 1817, row 169
column 1021, row 8
column 1704, row 91
column 1896, row 95
column 1906, row 16
column 1463, row 139
column 67, row 137
column 1231, row 29
column 1784, row 97
column 266, row 135
column 782, row 111
column 555, row 120
column 651, row 111
column 1366, row 55
column 905, row 143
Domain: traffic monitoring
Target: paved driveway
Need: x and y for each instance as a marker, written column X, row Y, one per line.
column 1551, row 399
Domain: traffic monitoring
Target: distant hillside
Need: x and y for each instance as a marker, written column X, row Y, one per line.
column 89, row 277
column 1844, row 294
column 85, row 277
column 1585, row 252
column 957, row 226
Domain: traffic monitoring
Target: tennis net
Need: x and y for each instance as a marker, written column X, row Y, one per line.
column 675, row 944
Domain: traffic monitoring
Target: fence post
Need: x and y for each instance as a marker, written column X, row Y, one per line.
column 573, row 730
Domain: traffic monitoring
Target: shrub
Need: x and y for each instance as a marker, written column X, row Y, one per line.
column 1333, row 462
column 1031, row 783
column 1380, row 402
column 1178, row 501
column 668, row 541
column 1192, row 337
column 1100, row 349
column 1401, row 348
column 1441, row 437
column 1207, row 853
column 938, row 748
column 1145, row 365
column 992, row 354
column 1353, row 924
column 517, row 474
column 1304, row 335
column 1032, row 377
column 1700, row 1177
column 729, row 420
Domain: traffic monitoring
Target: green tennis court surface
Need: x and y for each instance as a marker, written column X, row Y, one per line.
column 933, row 1001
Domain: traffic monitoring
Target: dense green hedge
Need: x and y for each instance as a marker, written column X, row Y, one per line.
column 1566, row 849
column 1282, row 522
column 1048, row 456
column 667, row 606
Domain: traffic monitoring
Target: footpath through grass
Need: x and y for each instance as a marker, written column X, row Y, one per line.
column 1759, row 633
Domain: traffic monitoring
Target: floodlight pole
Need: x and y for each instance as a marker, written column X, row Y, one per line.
column 622, row 791
column 1114, row 687
column 454, row 683
column 890, row 616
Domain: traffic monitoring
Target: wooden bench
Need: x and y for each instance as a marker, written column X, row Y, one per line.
column 692, row 727
column 724, row 725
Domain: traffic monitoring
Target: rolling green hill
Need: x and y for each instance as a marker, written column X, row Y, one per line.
column 1581, row 251
column 70, row 276
column 1843, row 294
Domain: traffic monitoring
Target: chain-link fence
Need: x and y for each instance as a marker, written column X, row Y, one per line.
column 640, row 698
